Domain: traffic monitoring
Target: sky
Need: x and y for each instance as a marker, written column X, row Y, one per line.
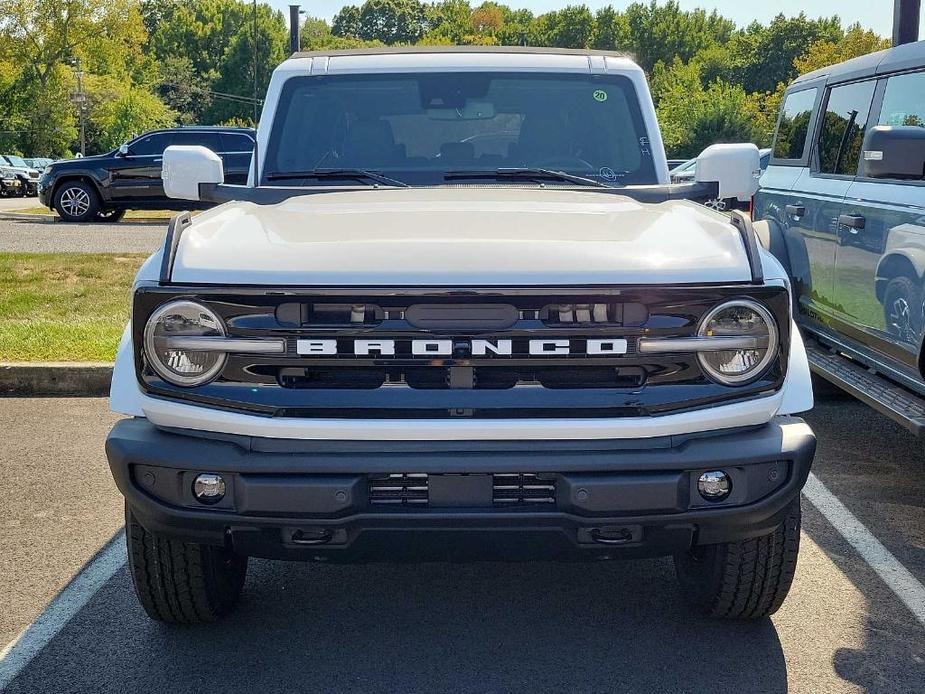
column 872, row 14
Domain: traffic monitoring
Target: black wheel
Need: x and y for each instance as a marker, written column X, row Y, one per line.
column 112, row 215
column 76, row 201
column 742, row 580
column 902, row 309
column 182, row 582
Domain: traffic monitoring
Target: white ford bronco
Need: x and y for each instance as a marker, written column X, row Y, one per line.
column 458, row 312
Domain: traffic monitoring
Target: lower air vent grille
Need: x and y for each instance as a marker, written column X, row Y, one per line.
column 516, row 488
column 399, row 488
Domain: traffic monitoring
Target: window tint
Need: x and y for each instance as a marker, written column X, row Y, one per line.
column 152, row 144
column 843, row 128
column 236, row 142
column 794, row 124
column 904, row 100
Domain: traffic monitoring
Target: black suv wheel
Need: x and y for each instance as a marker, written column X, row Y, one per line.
column 182, row 582
column 76, row 201
column 742, row 580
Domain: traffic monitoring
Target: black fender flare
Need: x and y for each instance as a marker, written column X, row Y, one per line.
column 771, row 236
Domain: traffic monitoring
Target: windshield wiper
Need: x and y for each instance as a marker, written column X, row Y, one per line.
column 357, row 174
column 525, row 173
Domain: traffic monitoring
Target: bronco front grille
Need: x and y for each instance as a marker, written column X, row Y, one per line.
column 522, row 488
column 400, row 488
column 499, row 353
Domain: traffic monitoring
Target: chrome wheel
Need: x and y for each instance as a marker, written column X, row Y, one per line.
column 716, row 204
column 75, row 201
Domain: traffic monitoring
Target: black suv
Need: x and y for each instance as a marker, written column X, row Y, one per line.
column 103, row 187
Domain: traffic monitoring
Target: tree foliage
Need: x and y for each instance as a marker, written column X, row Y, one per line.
column 147, row 63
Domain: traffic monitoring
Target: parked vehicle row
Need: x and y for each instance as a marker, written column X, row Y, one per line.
column 103, row 187
column 843, row 208
column 15, row 167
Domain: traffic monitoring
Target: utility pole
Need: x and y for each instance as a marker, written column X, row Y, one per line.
column 80, row 99
column 906, row 15
column 294, row 12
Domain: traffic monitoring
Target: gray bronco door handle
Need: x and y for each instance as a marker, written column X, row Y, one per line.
column 855, row 222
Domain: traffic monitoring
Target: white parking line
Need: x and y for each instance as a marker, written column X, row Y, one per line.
column 21, row 650
column 904, row 585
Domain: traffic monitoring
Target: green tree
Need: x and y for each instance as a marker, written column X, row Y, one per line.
column 763, row 56
column 346, row 23
column 854, row 43
column 236, row 69
column 611, row 30
column 659, row 33
column 570, row 27
column 392, row 21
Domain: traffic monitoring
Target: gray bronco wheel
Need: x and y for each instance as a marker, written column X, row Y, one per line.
column 742, row 580
column 76, row 201
column 182, row 582
column 903, row 309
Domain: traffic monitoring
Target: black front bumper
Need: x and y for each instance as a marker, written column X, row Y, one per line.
column 312, row 499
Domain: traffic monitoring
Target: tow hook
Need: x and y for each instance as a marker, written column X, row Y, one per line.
column 311, row 536
column 611, row 535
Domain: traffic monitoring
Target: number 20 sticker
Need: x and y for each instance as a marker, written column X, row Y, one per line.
column 600, row 95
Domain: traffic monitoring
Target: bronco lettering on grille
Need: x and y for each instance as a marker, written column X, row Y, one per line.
column 474, row 347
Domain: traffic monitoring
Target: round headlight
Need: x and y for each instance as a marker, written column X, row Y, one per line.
column 177, row 365
column 744, row 319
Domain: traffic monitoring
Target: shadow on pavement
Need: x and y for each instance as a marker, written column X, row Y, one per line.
column 877, row 470
column 490, row 627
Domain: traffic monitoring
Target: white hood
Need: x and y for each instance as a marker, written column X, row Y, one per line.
column 457, row 236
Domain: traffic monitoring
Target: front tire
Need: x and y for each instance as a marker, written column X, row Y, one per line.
column 182, row 582
column 742, row 580
column 76, row 201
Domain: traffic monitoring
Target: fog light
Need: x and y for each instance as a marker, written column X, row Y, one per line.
column 209, row 488
column 714, row 485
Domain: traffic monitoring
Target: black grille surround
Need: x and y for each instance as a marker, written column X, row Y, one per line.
column 461, row 385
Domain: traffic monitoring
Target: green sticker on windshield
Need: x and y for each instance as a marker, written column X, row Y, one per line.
column 600, row 95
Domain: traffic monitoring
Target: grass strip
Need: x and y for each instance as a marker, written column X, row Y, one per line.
column 64, row 306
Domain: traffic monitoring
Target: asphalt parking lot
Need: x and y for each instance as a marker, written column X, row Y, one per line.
column 456, row 628
column 26, row 236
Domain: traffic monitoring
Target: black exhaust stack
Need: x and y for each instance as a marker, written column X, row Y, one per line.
column 906, row 15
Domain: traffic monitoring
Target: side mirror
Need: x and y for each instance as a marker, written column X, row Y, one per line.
column 185, row 167
column 894, row 152
column 735, row 167
column 123, row 150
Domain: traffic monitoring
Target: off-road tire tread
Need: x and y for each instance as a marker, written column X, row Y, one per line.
column 743, row 580
column 181, row 582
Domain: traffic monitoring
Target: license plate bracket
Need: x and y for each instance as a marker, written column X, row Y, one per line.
column 460, row 490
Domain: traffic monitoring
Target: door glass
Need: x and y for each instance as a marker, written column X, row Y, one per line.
column 210, row 140
column 153, row 144
column 904, row 100
column 794, row 124
column 843, row 128
column 234, row 142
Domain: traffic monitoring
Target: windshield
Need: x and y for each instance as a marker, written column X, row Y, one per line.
column 17, row 161
column 416, row 128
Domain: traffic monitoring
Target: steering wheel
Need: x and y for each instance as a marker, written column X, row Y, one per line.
column 566, row 162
